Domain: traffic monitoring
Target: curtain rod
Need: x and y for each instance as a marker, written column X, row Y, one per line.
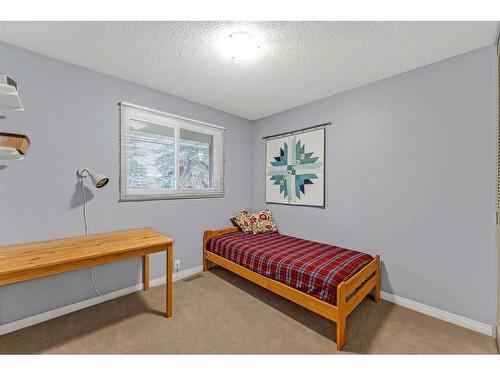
column 303, row 130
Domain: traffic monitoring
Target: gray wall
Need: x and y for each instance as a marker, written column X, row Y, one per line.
column 410, row 175
column 72, row 118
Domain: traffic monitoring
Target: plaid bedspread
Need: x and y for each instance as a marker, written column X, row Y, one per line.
column 311, row 267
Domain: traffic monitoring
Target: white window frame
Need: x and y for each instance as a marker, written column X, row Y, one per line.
column 130, row 112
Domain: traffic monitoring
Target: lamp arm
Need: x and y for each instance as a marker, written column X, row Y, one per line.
column 84, row 172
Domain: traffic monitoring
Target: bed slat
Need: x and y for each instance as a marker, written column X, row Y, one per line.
column 355, row 281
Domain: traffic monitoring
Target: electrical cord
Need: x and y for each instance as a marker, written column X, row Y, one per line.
column 84, row 207
column 86, row 234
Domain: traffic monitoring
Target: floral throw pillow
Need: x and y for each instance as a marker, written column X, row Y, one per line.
column 244, row 220
column 263, row 222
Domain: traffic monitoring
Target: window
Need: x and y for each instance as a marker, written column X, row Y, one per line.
column 164, row 156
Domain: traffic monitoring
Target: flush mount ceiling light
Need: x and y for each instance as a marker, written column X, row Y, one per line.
column 241, row 45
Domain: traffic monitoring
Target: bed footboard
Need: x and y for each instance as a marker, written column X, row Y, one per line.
column 351, row 292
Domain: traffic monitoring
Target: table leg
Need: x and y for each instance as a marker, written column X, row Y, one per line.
column 145, row 271
column 170, row 260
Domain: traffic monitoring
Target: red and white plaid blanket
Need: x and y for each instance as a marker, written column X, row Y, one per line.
column 311, row 267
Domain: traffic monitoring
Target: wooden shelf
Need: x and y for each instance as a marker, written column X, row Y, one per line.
column 9, row 97
column 18, row 141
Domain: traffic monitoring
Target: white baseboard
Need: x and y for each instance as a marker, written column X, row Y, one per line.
column 39, row 318
column 176, row 277
column 440, row 314
column 412, row 305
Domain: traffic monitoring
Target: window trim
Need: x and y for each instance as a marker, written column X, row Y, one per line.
column 167, row 119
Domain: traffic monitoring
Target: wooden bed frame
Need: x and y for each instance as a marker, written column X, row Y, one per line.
column 349, row 293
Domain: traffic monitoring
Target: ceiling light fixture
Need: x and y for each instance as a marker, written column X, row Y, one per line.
column 241, row 45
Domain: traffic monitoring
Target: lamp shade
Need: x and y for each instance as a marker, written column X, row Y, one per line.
column 98, row 180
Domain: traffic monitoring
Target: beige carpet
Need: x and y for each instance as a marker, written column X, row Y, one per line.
column 219, row 312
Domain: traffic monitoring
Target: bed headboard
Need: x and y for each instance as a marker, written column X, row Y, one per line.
column 209, row 234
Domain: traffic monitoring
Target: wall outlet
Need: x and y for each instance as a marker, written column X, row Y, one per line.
column 177, row 264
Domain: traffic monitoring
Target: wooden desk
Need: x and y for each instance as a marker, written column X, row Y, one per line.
column 38, row 259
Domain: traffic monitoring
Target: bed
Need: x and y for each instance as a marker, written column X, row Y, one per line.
column 328, row 280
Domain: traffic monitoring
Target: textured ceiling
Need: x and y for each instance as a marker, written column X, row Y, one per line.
column 298, row 62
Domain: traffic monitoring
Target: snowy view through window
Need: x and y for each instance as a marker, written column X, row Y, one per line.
column 152, row 161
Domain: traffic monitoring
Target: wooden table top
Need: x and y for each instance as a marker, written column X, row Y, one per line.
column 22, row 257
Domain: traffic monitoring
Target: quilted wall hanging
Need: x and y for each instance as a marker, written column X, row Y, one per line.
column 295, row 167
